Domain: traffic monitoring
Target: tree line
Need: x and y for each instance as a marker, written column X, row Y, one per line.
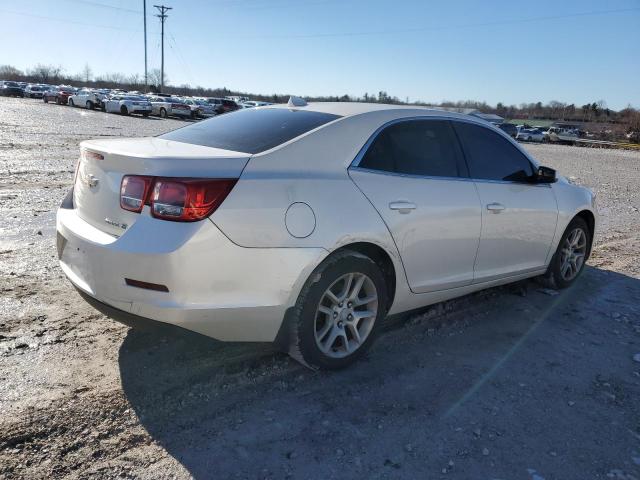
column 597, row 111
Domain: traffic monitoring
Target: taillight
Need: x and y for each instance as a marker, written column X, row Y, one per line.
column 188, row 200
column 134, row 191
column 176, row 199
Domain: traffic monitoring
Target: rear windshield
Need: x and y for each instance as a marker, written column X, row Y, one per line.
column 250, row 130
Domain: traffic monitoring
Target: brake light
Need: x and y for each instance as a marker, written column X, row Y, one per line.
column 176, row 199
column 89, row 155
column 188, row 200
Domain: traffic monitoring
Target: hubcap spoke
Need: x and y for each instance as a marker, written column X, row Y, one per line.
column 345, row 315
column 573, row 254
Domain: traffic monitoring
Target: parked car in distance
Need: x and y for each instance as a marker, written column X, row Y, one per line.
column 127, row 105
column 9, row 88
column 509, row 128
column 199, row 108
column 223, row 105
column 86, row 98
column 35, row 91
column 530, row 135
column 245, row 248
column 59, row 95
column 165, row 106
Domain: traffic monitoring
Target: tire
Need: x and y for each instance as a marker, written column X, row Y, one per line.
column 124, row 110
column 71, row 104
column 163, row 113
column 45, row 99
column 528, row 139
column 89, row 105
column 313, row 328
column 58, row 101
column 556, row 272
column 103, row 108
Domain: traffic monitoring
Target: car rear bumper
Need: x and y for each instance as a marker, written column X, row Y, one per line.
column 215, row 287
column 136, row 109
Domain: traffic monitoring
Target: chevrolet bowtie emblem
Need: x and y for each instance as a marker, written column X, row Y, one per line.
column 91, row 181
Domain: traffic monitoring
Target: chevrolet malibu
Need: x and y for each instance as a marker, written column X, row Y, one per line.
column 306, row 224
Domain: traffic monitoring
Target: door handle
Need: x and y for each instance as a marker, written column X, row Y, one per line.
column 402, row 206
column 495, row 207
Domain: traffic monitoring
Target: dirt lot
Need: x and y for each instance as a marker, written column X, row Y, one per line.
column 510, row 383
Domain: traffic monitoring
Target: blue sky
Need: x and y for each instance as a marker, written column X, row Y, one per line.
column 494, row 50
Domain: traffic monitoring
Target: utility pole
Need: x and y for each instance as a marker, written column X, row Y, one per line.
column 144, row 13
column 163, row 15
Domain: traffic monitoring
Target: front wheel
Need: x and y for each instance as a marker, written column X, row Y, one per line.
column 163, row 113
column 71, row 104
column 572, row 254
column 123, row 110
column 45, row 99
column 89, row 105
column 338, row 312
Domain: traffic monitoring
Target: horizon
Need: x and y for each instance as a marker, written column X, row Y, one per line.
column 538, row 53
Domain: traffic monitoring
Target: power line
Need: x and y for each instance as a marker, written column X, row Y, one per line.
column 444, row 27
column 104, row 5
column 66, row 20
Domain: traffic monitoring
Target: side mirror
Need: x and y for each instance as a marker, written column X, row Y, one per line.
column 545, row 175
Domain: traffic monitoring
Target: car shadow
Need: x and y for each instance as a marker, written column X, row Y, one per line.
column 244, row 409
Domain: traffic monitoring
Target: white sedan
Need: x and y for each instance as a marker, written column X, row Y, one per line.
column 530, row 135
column 306, row 224
column 127, row 105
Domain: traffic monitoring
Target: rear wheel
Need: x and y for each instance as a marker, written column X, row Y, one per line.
column 338, row 312
column 89, row 105
column 572, row 254
column 123, row 110
column 163, row 113
column 45, row 99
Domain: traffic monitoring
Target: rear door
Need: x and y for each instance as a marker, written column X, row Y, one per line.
column 414, row 174
column 518, row 216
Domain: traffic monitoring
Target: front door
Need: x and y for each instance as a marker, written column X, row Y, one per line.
column 518, row 217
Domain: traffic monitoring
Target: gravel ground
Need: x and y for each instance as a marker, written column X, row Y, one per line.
column 509, row 383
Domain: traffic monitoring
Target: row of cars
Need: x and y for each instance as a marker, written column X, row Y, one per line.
column 127, row 103
column 559, row 133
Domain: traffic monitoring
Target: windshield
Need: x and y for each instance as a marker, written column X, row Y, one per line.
column 250, row 130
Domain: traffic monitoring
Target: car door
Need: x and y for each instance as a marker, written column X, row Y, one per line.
column 518, row 216
column 414, row 174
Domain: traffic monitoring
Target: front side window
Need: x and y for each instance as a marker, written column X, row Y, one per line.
column 416, row 147
column 490, row 156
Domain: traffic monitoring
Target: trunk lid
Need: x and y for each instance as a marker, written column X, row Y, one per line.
column 96, row 191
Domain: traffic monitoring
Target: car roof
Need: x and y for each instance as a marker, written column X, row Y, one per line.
column 349, row 109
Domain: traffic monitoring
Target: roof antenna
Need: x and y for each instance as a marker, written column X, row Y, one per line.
column 296, row 102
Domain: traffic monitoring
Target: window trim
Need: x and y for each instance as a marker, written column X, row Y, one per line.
column 355, row 163
column 363, row 151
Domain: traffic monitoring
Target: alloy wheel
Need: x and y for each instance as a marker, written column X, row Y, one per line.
column 573, row 254
column 345, row 315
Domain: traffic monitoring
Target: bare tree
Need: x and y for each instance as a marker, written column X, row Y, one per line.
column 46, row 73
column 8, row 72
column 87, row 73
column 155, row 76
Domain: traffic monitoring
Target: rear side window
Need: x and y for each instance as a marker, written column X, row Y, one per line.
column 490, row 156
column 416, row 147
column 250, row 130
